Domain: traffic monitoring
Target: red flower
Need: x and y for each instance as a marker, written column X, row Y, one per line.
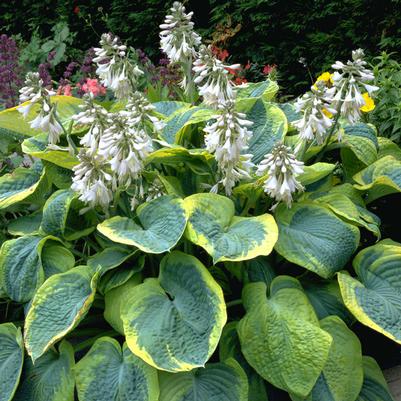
column 232, row 71
column 76, row 10
column 268, row 69
column 248, row 65
column 240, row 81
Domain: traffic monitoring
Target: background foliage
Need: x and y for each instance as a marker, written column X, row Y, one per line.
column 269, row 31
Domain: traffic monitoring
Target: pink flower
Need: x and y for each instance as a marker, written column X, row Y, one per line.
column 268, row 69
column 64, row 90
column 93, row 86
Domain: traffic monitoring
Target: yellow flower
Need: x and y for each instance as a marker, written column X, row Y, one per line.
column 326, row 77
column 327, row 113
column 369, row 103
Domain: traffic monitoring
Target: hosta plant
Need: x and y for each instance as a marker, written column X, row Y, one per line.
column 211, row 249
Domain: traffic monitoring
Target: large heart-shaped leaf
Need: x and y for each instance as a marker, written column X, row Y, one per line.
column 342, row 376
column 381, row 178
column 269, row 126
column 163, row 222
column 174, row 322
column 60, row 216
column 110, row 258
column 109, row 373
column 326, row 299
column 36, row 146
column 313, row 237
column 181, row 119
column 216, row 382
column 55, row 212
column 374, row 386
column 51, row 378
column 20, row 184
column 21, row 267
column 265, row 90
column 12, row 120
column 362, row 140
column 58, row 306
column 213, row 226
column 116, row 299
column 11, row 360
column 169, row 107
column 344, row 207
column 25, row 225
column 230, row 347
column 375, row 299
column 280, row 336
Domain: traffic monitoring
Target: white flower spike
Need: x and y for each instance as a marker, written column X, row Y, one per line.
column 281, row 168
column 177, row 38
column 227, row 138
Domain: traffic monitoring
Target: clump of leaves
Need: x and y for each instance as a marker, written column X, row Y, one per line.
column 200, row 249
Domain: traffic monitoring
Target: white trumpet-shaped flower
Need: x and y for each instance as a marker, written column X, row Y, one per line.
column 114, row 69
column 126, row 146
column 317, row 113
column 95, row 116
column 142, row 113
column 211, row 76
column 178, row 38
column 91, row 180
column 34, row 92
column 227, row 138
column 282, row 169
column 351, row 80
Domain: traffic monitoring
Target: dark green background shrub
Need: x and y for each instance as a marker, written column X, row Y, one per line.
column 272, row 31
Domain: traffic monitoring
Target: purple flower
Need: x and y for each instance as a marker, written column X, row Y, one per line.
column 10, row 71
column 45, row 74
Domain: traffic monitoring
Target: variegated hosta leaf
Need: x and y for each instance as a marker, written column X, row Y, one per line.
column 374, row 386
column 22, row 266
column 269, row 126
column 362, row 140
column 224, row 381
column 11, row 360
column 381, row 178
column 51, row 378
column 230, row 347
column 174, row 322
column 326, row 299
column 197, row 160
column 55, row 212
column 281, row 337
column 375, row 298
column 13, row 121
column 169, row 107
column 110, row 258
column 36, row 146
column 20, row 184
column 58, row 306
column 56, row 259
column 315, row 173
column 109, row 373
column 313, row 237
column 116, row 299
column 60, row 216
column 213, row 226
column 344, row 207
column 342, row 376
column 266, row 90
column 181, row 119
column 25, row 225
column 388, row 148
column 259, row 269
column 163, row 222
